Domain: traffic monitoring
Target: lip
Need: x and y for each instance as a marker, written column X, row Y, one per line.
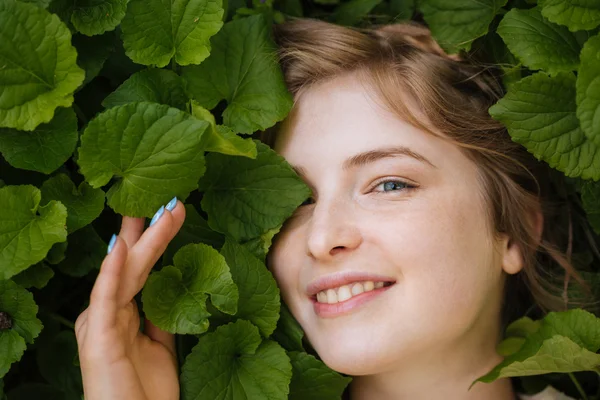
column 343, row 278
column 325, row 310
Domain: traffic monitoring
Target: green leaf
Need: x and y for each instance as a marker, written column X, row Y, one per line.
column 195, row 229
column 456, row 24
column 565, row 342
column 353, row 11
column 242, row 69
column 588, row 90
column 57, row 252
column 244, row 198
column 403, row 9
column 55, row 361
column 92, row 52
column 232, row 363
column 46, row 148
column 36, row 276
column 538, row 43
column 289, row 333
column 84, row 204
column 25, row 236
column 37, row 63
column 259, row 246
column 94, row 17
column 575, row 14
column 154, row 31
column 18, row 303
column 155, row 85
column 311, row 379
column 220, row 138
column 539, row 112
column 259, row 295
column 153, row 150
column 38, row 3
column 86, row 251
column 175, row 297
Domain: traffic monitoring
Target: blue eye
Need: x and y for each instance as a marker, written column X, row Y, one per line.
column 394, row 186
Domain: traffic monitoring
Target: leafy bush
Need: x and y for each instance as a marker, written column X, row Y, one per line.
column 111, row 108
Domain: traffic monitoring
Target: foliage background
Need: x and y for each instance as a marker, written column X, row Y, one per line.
column 112, row 107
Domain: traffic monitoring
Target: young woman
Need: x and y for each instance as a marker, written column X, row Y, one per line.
column 419, row 245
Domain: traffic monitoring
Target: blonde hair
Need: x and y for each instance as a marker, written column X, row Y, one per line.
column 452, row 98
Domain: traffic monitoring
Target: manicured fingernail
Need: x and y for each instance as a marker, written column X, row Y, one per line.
column 111, row 244
column 171, row 205
column 160, row 212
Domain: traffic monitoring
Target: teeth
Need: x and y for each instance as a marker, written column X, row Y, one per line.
column 343, row 293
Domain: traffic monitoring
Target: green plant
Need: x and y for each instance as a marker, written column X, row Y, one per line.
column 104, row 113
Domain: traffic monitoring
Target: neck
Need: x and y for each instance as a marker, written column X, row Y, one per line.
column 445, row 372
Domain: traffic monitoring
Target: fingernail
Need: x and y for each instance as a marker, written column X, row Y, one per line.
column 160, row 212
column 111, row 244
column 171, row 205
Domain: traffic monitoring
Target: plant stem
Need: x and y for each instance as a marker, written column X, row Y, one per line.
column 578, row 386
column 80, row 114
column 61, row 319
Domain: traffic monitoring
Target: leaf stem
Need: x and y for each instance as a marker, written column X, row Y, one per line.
column 80, row 114
column 61, row 319
column 578, row 386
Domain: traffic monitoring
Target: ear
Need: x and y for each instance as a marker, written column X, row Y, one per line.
column 512, row 261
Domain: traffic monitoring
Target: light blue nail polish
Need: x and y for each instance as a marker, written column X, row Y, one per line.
column 171, row 205
column 111, row 244
column 158, row 214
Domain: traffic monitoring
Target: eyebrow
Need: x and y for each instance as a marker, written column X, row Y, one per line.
column 371, row 156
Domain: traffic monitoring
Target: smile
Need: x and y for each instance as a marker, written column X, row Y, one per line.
column 352, row 303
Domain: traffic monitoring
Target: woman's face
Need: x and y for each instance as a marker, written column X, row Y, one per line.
column 431, row 241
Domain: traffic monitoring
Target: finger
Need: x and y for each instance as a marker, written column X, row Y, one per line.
column 102, row 311
column 149, row 248
column 131, row 230
column 165, row 338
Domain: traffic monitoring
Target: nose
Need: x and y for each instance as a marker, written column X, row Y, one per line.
column 332, row 229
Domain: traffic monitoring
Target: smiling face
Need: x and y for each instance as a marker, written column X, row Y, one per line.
column 433, row 240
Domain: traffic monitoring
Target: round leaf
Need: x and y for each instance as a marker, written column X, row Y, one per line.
column 154, row 31
column 46, row 148
column 233, row 360
column 154, row 151
column 575, row 14
column 25, row 236
column 38, row 69
column 242, row 70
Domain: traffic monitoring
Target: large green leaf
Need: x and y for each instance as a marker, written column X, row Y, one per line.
column 38, row 65
column 311, row 379
column 84, row 204
column 353, row 11
column 565, row 342
column 259, row 295
column 36, row 276
column 154, row 31
column 46, row 148
column 588, row 90
column 25, row 236
column 18, row 303
column 243, row 70
column 175, row 297
column 154, row 151
column 155, row 85
column 575, row 14
column 539, row 112
column 91, row 17
column 232, row 363
column 244, row 197
column 456, row 24
column 538, row 43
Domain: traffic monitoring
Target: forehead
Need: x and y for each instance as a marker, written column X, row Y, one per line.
column 342, row 117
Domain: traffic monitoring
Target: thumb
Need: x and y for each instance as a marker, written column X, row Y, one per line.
column 158, row 335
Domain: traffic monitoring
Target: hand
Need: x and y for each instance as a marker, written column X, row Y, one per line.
column 118, row 361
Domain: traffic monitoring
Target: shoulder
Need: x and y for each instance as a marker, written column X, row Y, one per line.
column 549, row 393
